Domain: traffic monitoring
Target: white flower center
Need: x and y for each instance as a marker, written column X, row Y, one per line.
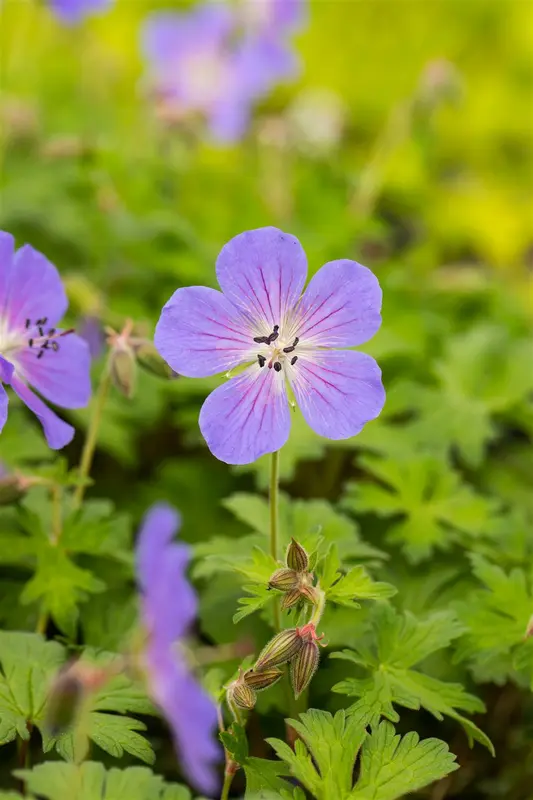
column 275, row 352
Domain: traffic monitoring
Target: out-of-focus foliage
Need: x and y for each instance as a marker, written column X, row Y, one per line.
column 424, row 174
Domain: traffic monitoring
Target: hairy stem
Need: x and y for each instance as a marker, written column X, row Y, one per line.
column 228, row 780
column 92, row 434
column 274, row 523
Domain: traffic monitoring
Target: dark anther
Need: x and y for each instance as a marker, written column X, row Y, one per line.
column 277, row 366
column 42, row 321
column 295, row 342
column 55, row 346
column 272, row 337
column 261, row 359
column 275, row 328
column 30, row 342
column 46, row 345
column 261, row 339
column 294, row 359
column 41, row 332
column 40, row 354
column 51, row 331
column 288, row 349
column 28, row 323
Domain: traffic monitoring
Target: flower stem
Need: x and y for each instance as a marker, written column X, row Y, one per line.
column 228, row 780
column 92, row 434
column 274, row 495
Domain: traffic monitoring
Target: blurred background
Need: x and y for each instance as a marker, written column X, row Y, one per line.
column 400, row 135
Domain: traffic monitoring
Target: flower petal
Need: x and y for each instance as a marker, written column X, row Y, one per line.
column 338, row 392
column 7, row 252
column 58, row 433
column 200, row 333
column 191, row 715
column 169, row 601
column 62, row 377
column 6, row 370
column 340, row 307
column 263, row 272
column 35, row 290
column 3, row 407
column 247, row 416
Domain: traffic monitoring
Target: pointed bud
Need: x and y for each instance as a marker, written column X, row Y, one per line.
column 304, row 666
column 297, row 558
column 242, row 695
column 63, row 702
column 290, row 599
column 280, row 649
column 308, row 593
column 150, row 360
column 12, row 488
column 124, row 370
column 283, row 579
column 262, row 680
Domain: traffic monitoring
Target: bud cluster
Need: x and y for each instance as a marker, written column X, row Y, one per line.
column 298, row 647
column 294, row 580
column 126, row 352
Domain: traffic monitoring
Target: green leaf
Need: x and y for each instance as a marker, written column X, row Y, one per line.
column 323, row 758
column 264, row 777
column 396, row 644
column 113, row 732
column 60, row 585
column 235, row 741
column 436, row 508
column 261, row 597
column 28, row 663
column 91, row 781
column 97, row 530
column 392, row 766
column 496, row 617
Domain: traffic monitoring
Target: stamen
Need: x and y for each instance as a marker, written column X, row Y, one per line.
column 261, row 339
column 55, row 346
column 295, row 341
column 30, row 342
column 294, row 359
column 41, row 331
column 277, row 366
column 40, row 354
column 289, row 349
column 28, row 323
column 261, row 359
column 51, row 331
column 273, row 336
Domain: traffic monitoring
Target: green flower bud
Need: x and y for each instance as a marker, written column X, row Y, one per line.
column 297, row 558
column 304, row 666
column 242, row 695
column 124, row 370
column 11, row 489
column 64, row 702
column 290, row 599
column 283, row 579
column 262, row 680
column 279, row 650
column 150, row 360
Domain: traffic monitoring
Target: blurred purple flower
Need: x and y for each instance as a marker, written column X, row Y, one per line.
column 32, row 350
column 90, row 329
column 168, row 609
column 273, row 17
column 261, row 319
column 73, row 11
column 207, row 62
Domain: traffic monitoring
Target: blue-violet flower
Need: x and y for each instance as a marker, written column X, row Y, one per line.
column 262, row 320
column 33, row 350
column 168, row 609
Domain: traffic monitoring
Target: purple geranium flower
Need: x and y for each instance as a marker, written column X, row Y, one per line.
column 168, row 609
column 262, row 319
column 273, row 17
column 205, row 62
column 73, row 11
column 32, row 350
